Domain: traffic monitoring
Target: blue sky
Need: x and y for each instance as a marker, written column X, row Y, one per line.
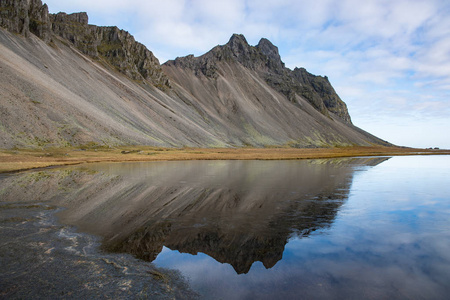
column 388, row 60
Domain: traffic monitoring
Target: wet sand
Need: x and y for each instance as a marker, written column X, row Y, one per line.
column 42, row 258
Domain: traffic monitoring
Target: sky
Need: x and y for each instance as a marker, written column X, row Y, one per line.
column 388, row 60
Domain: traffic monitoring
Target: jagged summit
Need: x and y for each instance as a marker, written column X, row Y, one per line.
column 268, row 48
column 238, row 41
column 271, row 51
column 239, row 47
column 261, row 57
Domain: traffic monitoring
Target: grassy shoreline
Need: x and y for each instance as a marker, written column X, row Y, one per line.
column 23, row 159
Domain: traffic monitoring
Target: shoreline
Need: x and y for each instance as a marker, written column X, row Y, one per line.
column 41, row 248
column 17, row 160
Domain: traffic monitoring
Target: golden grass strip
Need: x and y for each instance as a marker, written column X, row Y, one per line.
column 22, row 159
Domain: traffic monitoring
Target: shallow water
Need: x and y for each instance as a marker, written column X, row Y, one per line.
column 325, row 229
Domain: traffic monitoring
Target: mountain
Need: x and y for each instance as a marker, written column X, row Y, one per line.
column 65, row 82
column 265, row 60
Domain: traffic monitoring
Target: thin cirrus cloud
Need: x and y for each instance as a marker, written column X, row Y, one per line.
column 386, row 59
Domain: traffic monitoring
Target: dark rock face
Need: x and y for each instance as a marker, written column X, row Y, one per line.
column 237, row 49
column 25, row 17
column 75, row 29
column 273, row 61
column 265, row 59
column 117, row 47
column 320, row 92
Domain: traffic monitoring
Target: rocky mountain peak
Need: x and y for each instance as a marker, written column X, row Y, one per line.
column 269, row 49
column 271, row 52
column 239, row 50
column 263, row 56
column 238, row 44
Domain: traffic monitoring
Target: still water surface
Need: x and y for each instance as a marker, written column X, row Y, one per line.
column 389, row 238
column 325, row 229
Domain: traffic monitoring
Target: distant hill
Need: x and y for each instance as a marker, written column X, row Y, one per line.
column 64, row 82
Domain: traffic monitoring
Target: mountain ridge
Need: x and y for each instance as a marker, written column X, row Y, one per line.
column 265, row 59
column 68, row 83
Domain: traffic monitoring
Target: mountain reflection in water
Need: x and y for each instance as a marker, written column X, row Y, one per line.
column 237, row 212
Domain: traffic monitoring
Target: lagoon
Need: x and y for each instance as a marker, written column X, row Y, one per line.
column 368, row 227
